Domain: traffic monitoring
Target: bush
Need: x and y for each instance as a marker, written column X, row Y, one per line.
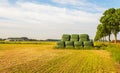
column 115, row 52
column 66, row 37
column 92, row 42
column 74, row 37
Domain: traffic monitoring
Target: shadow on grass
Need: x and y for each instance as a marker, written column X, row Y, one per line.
column 97, row 47
column 82, row 48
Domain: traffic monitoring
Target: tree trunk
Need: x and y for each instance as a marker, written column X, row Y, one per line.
column 109, row 38
column 115, row 35
column 105, row 39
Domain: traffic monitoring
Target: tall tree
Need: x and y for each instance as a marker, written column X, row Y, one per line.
column 101, row 32
column 111, row 18
column 107, row 27
column 117, row 21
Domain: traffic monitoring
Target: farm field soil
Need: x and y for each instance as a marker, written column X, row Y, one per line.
column 43, row 58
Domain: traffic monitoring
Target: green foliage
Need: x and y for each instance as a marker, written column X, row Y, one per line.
column 1, row 39
column 110, row 23
column 115, row 52
column 109, row 11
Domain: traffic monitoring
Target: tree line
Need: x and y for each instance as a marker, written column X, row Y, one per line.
column 109, row 24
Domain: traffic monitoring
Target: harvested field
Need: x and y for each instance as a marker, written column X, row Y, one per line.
column 43, row 58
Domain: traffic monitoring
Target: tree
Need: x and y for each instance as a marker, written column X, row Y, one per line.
column 101, row 32
column 117, row 23
column 106, row 26
column 111, row 19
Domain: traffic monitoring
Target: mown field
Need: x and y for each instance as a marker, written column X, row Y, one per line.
column 44, row 58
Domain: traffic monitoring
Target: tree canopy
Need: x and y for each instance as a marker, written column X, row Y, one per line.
column 109, row 24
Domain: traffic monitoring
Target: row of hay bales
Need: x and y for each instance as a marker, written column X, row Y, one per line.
column 75, row 41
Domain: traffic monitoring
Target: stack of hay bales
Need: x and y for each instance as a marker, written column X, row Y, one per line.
column 61, row 44
column 86, row 40
column 74, row 41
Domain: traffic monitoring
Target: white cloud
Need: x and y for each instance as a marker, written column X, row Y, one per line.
column 4, row 2
column 45, row 21
column 74, row 2
column 82, row 5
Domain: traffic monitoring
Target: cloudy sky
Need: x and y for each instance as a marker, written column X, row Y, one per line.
column 43, row 19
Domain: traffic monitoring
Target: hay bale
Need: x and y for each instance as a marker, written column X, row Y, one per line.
column 69, row 47
column 60, row 44
column 87, row 44
column 69, row 44
column 65, row 37
column 84, row 37
column 74, row 37
column 78, row 44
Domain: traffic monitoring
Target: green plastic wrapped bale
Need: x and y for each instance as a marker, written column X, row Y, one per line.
column 65, row 37
column 61, row 44
column 69, row 44
column 78, row 44
column 84, row 36
column 87, row 44
column 70, row 47
column 74, row 37
column 84, row 39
